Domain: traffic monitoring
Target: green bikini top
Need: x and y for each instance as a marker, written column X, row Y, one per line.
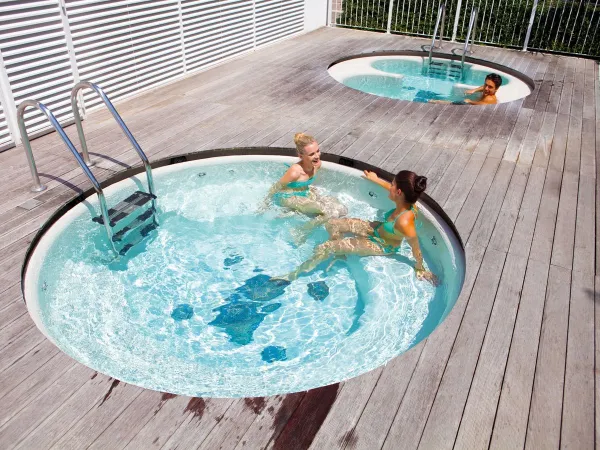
column 389, row 226
column 300, row 184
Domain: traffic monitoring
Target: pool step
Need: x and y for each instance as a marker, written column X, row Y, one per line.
column 126, row 207
column 443, row 69
column 445, row 73
column 141, row 219
column 143, row 233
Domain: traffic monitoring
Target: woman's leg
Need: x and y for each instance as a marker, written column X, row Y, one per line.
column 313, row 203
column 332, row 207
column 338, row 227
column 305, row 205
column 335, row 227
column 349, row 246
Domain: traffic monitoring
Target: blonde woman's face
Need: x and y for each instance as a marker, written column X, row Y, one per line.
column 312, row 154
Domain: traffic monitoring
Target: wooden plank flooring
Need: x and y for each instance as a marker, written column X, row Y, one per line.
column 513, row 365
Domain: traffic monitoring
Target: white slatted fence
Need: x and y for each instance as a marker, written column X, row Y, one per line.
column 36, row 59
column 125, row 46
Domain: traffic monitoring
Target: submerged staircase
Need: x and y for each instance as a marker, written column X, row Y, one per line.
column 445, row 70
column 142, row 220
column 130, row 221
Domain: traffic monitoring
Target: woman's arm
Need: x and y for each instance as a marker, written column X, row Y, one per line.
column 473, row 91
column 372, row 176
column 292, row 174
column 406, row 225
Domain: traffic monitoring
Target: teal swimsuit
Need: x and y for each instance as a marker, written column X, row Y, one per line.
column 301, row 186
column 388, row 227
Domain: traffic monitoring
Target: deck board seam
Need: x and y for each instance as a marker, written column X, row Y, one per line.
column 439, row 383
column 399, row 403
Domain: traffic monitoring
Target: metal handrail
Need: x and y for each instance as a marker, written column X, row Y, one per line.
column 471, row 26
column 475, row 13
column 38, row 187
column 117, row 117
column 441, row 17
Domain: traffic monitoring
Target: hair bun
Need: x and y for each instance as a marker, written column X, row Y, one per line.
column 298, row 137
column 420, row 184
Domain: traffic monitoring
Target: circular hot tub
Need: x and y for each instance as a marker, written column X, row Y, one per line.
column 197, row 309
column 409, row 76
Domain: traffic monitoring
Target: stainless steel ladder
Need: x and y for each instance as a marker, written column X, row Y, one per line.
column 451, row 69
column 466, row 49
column 439, row 24
column 437, row 67
column 145, row 221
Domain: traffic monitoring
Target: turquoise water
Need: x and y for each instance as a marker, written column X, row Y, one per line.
column 417, row 83
column 192, row 310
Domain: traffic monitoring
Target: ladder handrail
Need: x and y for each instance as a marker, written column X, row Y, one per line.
column 38, row 187
column 471, row 25
column 475, row 12
column 441, row 17
column 86, row 84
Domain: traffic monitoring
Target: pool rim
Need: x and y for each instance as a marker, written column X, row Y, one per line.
column 213, row 153
column 452, row 57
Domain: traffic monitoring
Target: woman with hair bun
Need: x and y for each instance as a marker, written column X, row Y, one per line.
column 294, row 190
column 377, row 238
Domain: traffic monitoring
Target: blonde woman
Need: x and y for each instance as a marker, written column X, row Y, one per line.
column 295, row 191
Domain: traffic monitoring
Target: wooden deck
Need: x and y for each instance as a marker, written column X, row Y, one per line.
column 514, row 364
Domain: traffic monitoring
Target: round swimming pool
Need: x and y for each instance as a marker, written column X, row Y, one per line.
column 410, row 77
column 193, row 310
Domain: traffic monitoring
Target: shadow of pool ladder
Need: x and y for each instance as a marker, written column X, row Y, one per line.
column 131, row 220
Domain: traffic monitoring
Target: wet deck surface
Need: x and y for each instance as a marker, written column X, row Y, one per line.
column 512, row 366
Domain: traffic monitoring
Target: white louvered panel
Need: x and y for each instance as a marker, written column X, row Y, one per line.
column 125, row 46
column 33, row 45
column 276, row 19
column 5, row 137
column 216, row 29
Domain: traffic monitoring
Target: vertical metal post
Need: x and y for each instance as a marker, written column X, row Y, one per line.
column 456, row 19
column 37, row 186
column 531, row 19
column 390, row 10
column 474, row 31
column 8, row 102
column 442, row 25
column 329, row 22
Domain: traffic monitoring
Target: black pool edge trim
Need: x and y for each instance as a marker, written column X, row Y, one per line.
column 205, row 154
column 482, row 62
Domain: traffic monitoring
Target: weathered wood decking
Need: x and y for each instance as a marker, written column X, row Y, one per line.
column 514, row 364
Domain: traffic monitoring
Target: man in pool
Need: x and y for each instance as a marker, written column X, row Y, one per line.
column 488, row 92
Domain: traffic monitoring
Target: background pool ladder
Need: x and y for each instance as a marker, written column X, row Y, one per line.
column 131, row 220
column 450, row 69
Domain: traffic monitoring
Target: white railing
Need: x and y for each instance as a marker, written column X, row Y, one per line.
column 564, row 26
